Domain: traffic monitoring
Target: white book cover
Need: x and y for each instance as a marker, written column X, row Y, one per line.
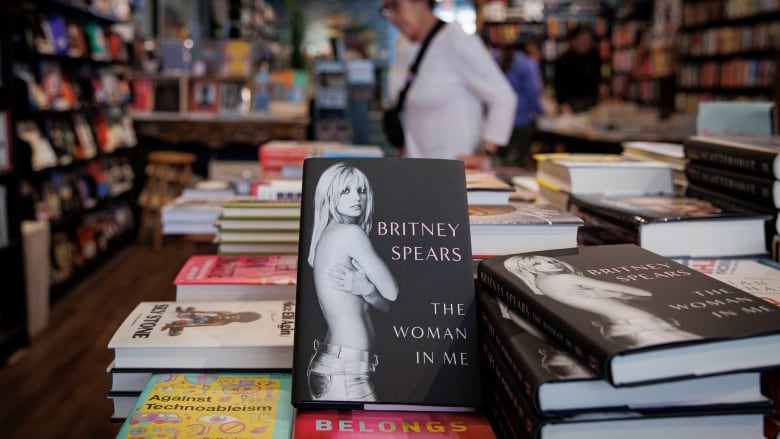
column 222, row 334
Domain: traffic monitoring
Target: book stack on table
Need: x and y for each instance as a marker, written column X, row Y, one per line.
column 255, row 227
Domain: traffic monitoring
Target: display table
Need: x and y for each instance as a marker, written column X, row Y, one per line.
column 215, row 131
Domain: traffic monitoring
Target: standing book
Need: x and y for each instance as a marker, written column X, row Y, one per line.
column 385, row 287
column 203, row 405
column 556, row 382
column 636, row 317
column 214, row 277
column 215, row 334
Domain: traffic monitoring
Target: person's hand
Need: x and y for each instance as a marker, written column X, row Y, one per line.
column 350, row 279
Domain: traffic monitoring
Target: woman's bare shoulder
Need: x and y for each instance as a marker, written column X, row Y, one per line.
column 346, row 231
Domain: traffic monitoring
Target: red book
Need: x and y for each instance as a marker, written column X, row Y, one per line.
column 359, row 424
column 215, row 277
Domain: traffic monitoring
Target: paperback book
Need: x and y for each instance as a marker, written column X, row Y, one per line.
column 385, row 287
column 485, row 187
column 672, row 226
column 214, row 277
column 213, row 334
column 635, row 317
column 554, row 381
column 197, row 405
column 519, row 227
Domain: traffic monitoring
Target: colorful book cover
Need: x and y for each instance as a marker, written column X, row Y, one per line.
column 217, row 334
column 236, row 59
column 212, row 405
column 636, row 317
column 385, row 286
column 237, row 277
column 358, row 424
column 758, row 277
column 205, row 96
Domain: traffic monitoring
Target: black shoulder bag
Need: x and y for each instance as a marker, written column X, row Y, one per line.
column 391, row 118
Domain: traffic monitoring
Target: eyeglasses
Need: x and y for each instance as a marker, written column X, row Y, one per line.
column 387, row 8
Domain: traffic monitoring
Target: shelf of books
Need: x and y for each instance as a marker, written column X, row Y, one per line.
column 74, row 153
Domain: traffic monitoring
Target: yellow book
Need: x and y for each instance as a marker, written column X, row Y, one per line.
column 212, row 405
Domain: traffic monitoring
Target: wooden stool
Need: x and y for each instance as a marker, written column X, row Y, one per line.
column 167, row 173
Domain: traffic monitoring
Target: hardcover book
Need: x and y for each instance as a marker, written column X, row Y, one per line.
column 257, row 236
column 755, row 155
column 520, row 227
column 556, row 382
column 253, row 248
column 213, row 277
column 486, row 188
column 261, row 209
column 754, row 189
column 673, row 226
column 760, row 277
column 214, row 334
column 636, row 317
column 358, row 424
column 512, row 414
column 197, row 405
column 385, row 287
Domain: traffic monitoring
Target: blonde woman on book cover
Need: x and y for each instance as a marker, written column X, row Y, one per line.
column 350, row 279
column 620, row 322
column 459, row 99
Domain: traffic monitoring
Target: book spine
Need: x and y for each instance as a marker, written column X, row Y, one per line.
column 511, row 358
column 520, row 415
column 545, row 320
column 758, row 190
column 737, row 159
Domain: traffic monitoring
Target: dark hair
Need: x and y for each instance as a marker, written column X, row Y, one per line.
column 507, row 57
column 578, row 30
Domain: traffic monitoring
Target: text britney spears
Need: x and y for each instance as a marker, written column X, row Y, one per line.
column 421, row 229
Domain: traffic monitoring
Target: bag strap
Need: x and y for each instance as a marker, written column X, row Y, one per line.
column 416, row 64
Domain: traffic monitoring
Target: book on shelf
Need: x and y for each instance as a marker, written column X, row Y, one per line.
column 255, row 248
column 611, row 174
column 518, row 227
column 356, row 424
column 236, row 59
column 554, row 381
column 191, row 405
column 5, row 141
column 261, row 209
column 759, row 277
column 673, row 226
column 484, row 187
column 514, row 416
column 212, row 334
column 756, row 156
column 205, row 96
column 214, row 277
column 753, row 189
column 385, row 286
column 636, row 317
column 233, row 98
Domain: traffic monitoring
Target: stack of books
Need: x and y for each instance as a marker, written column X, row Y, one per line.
column 615, row 341
column 739, row 173
column 163, row 337
column 672, row 154
column 191, row 215
column 562, row 175
column 254, row 226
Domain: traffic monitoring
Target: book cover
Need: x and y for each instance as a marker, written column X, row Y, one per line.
column 675, row 226
column 233, row 98
column 760, row 278
column 236, row 59
column 358, row 424
column 198, row 405
column 214, row 277
column 205, row 96
column 554, row 381
column 758, row 190
column 385, row 286
column 511, row 413
column 218, row 334
column 636, row 317
column 755, row 156
column 735, row 119
column 517, row 227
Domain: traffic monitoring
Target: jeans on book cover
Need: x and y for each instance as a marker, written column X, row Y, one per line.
column 338, row 373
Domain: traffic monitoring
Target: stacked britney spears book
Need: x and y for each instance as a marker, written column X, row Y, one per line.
column 616, row 341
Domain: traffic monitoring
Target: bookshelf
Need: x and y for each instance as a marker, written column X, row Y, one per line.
column 727, row 49
column 75, row 152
